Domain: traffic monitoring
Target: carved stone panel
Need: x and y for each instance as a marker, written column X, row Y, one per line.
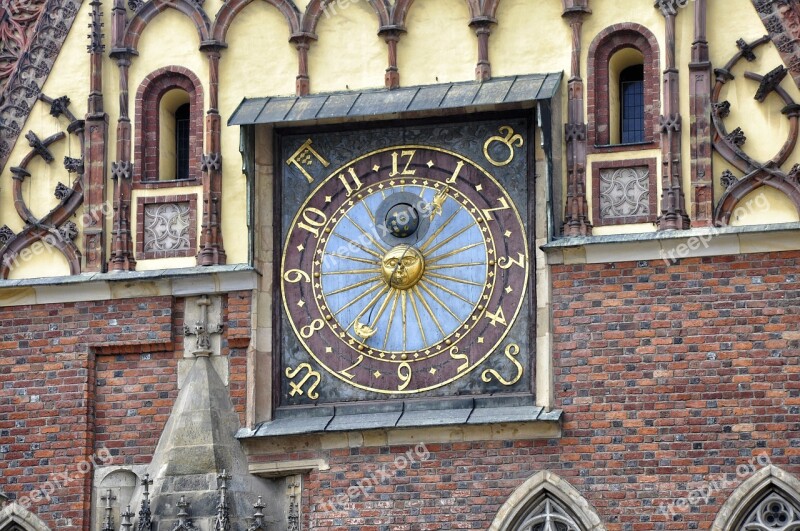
column 166, row 227
column 625, row 192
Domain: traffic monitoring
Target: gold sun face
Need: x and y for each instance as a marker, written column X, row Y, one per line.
column 402, row 267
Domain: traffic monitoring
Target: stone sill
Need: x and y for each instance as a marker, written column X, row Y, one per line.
column 396, row 418
column 185, row 282
column 673, row 245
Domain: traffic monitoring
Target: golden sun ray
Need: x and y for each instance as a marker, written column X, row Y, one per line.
column 404, row 298
column 448, row 291
column 452, row 266
column 434, row 259
column 416, row 314
column 367, row 235
column 438, row 300
column 358, row 245
column 449, row 239
column 352, row 272
column 354, row 259
column 391, row 318
column 454, row 279
column 428, row 308
column 354, row 286
column 371, row 303
column 437, row 232
column 354, row 301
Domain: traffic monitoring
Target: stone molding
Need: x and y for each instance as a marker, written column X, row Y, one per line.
column 750, row 491
column 552, row 484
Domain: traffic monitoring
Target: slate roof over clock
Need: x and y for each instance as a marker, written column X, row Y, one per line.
column 496, row 94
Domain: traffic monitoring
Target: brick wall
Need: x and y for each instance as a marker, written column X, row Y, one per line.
column 669, row 378
column 76, row 378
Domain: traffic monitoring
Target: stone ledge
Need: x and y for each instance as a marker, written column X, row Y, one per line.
column 674, row 244
column 287, row 468
column 394, row 417
column 129, row 284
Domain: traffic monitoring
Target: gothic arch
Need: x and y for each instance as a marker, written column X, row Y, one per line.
column 150, row 10
column 751, row 492
column 316, row 8
column 15, row 514
column 229, row 11
column 401, row 8
column 738, row 191
column 529, row 495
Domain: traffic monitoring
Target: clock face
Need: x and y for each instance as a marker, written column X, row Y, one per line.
column 404, row 269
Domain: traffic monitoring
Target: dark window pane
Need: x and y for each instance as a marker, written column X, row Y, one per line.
column 182, row 142
column 631, row 90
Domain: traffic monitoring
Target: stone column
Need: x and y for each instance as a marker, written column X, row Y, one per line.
column 673, row 205
column 700, row 102
column 576, row 218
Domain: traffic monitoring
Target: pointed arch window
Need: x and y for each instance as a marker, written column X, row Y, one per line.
column 547, row 515
column 775, row 512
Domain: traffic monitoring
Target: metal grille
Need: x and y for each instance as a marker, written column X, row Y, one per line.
column 773, row 513
column 547, row 515
column 631, row 89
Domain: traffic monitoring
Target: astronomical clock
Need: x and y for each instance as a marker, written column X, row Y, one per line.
column 405, row 261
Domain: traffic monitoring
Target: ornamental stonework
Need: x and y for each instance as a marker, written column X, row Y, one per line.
column 166, row 227
column 624, row 192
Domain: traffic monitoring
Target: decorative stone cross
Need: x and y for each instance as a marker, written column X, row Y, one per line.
column 108, row 524
column 202, row 330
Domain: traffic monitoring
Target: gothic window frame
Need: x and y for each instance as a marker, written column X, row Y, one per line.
column 149, row 128
column 604, row 47
column 599, row 166
column 14, row 514
column 754, row 491
column 522, row 506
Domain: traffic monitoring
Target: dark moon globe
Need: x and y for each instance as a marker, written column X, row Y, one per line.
column 402, row 220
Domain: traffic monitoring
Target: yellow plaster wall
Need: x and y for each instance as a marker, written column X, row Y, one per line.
column 68, row 77
column 39, row 260
column 259, row 61
column 520, row 44
column 349, row 53
column 439, row 47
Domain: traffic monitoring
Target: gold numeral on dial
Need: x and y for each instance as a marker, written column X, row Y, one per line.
column 511, row 352
column 404, row 373
column 505, row 262
column 456, row 356
column 409, row 157
column 353, row 366
column 297, row 387
column 452, row 179
column 355, row 186
column 497, row 317
column 313, row 219
column 293, row 276
column 315, row 326
column 487, row 212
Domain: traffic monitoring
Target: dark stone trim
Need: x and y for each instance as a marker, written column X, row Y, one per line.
column 32, row 71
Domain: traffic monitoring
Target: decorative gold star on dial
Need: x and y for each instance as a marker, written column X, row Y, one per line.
column 376, row 168
column 480, row 340
column 433, row 370
column 509, row 289
column 300, row 248
column 377, row 374
column 301, row 303
column 328, row 199
column 507, row 234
